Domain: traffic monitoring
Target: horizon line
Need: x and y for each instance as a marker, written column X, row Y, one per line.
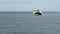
column 28, row 11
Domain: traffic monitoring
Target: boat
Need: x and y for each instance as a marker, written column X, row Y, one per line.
column 37, row 12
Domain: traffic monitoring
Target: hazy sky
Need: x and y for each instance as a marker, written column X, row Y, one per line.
column 28, row 5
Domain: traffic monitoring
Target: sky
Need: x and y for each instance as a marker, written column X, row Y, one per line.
column 29, row 5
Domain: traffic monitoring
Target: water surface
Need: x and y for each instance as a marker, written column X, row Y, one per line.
column 27, row 23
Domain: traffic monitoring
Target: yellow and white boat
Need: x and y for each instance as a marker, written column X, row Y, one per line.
column 37, row 12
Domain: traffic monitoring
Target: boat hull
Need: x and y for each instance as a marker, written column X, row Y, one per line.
column 37, row 13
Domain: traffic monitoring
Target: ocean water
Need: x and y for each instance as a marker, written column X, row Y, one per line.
column 27, row 23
